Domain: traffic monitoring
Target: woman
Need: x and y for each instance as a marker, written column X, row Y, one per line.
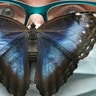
column 38, row 20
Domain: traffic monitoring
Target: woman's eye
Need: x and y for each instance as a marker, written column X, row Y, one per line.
column 9, row 12
column 12, row 11
column 65, row 9
column 71, row 9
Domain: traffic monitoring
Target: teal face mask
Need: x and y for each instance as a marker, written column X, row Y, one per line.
column 43, row 10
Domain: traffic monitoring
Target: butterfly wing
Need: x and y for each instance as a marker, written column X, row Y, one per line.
column 62, row 42
column 14, row 68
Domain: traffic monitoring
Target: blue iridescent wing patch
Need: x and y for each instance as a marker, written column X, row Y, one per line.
column 62, row 42
column 14, row 67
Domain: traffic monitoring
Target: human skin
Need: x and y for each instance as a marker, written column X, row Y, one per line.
column 56, row 11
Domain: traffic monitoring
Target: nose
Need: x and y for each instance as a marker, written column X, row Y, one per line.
column 35, row 19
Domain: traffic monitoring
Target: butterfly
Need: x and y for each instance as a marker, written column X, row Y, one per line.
column 61, row 43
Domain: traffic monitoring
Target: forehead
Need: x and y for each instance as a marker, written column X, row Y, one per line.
column 75, row 0
column 43, row 2
column 52, row 0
